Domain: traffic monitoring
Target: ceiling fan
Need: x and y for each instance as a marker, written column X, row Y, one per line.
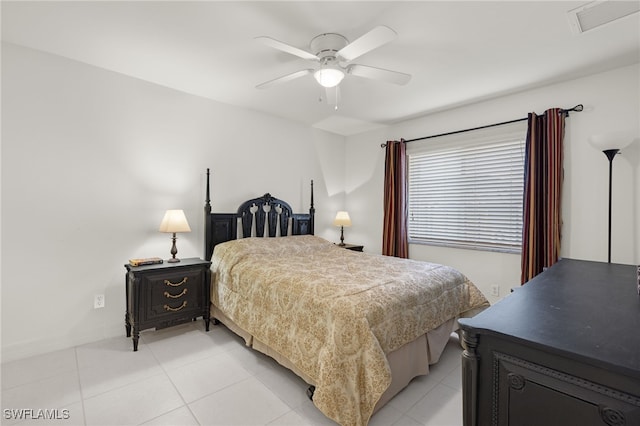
column 335, row 53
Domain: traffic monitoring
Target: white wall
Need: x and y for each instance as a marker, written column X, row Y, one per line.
column 91, row 159
column 611, row 101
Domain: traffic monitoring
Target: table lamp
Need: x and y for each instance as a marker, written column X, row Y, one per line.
column 342, row 219
column 174, row 221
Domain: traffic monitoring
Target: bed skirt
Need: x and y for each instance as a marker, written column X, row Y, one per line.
column 409, row 361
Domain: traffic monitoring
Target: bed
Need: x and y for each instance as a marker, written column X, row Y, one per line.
column 356, row 327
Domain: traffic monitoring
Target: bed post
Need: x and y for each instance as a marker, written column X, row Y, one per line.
column 312, row 211
column 207, row 222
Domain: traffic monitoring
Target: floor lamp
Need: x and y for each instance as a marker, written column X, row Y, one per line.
column 610, row 144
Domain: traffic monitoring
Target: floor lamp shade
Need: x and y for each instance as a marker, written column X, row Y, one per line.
column 611, row 140
column 610, row 144
column 174, row 221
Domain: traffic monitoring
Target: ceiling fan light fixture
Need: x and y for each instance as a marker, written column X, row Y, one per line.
column 329, row 77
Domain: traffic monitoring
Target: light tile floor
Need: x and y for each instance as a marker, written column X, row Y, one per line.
column 185, row 376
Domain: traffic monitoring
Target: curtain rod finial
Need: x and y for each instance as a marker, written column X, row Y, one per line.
column 576, row 108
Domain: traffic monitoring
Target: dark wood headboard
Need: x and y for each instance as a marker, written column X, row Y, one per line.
column 222, row 227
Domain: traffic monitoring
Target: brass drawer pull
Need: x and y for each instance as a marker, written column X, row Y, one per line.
column 184, row 280
column 169, row 308
column 175, row 296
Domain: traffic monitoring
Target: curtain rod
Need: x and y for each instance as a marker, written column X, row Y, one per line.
column 576, row 108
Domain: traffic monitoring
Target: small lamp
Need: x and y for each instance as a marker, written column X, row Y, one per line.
column 610, row 144
column 174, row 221
column 342, row 219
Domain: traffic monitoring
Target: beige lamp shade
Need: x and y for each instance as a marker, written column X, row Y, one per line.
column 342, row 219
column 174, row 221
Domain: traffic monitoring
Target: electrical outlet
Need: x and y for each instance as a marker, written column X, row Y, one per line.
column 98, row 301
column 495, row 290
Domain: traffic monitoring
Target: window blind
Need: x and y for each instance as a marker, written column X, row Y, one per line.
column 468, row 196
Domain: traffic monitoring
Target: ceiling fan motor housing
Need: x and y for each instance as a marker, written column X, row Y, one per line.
column 325, row 46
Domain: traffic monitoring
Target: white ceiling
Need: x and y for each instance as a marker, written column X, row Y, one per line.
column 458, row 52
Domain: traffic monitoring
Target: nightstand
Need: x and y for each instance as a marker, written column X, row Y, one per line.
column 166, row 294
column 353, row 247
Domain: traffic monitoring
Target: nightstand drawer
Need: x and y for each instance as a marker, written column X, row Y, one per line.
column 174, row 294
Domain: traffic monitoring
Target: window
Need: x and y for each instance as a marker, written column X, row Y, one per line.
column 467, row 193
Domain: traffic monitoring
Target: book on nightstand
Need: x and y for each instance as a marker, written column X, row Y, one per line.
column 145, row 261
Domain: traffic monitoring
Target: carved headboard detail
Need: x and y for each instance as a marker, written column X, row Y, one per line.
column 264, row 216
column 265, row 209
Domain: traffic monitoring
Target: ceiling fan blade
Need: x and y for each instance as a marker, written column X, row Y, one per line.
column 375, row 38
column 284, row 79
column 287, row 48
column 374, row 73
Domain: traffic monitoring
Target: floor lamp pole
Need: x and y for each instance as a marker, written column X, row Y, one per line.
column 610, row 153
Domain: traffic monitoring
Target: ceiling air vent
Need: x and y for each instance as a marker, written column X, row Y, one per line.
column 597, row 13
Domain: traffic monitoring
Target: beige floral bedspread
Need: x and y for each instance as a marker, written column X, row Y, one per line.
column 334, row 313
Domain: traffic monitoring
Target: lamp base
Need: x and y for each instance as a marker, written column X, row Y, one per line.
column 610, row 153
column 174, row 250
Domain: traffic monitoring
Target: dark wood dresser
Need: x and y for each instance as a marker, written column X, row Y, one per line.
column 564, row 349
column 167, row 294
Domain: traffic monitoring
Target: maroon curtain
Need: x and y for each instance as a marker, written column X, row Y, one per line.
column 394, row 235
column 543, row 173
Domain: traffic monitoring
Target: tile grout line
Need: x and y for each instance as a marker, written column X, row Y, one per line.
column 174, row 387
column 84, row 413
column 124, row 385
column 187, row 404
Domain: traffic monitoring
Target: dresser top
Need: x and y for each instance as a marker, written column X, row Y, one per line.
column 588, row 310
